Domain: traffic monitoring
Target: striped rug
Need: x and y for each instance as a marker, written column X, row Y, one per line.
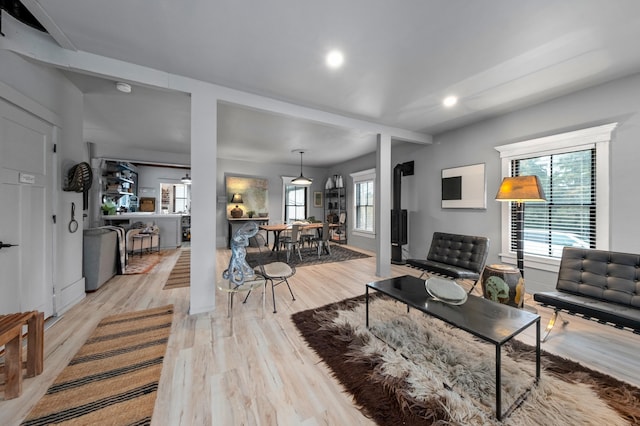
column 180, row 275
column 113, row 379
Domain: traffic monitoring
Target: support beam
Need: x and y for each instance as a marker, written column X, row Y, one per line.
column 383, row 205
column 204, row 110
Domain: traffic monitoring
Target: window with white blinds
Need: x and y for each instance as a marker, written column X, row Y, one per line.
column 568, row 218
column 364, row 206
column 573, row 168
column 364, row 211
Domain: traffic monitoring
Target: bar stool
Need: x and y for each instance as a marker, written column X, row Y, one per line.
column 141, row 237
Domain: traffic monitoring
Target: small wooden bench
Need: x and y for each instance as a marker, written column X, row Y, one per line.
column 11, row 337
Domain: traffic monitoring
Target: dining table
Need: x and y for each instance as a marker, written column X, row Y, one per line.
column 277, row 229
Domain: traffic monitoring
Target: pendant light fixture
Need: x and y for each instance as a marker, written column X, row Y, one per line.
column 301, row 180
column 186, row 179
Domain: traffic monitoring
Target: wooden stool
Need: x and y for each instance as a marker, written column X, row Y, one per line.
column 11, row 337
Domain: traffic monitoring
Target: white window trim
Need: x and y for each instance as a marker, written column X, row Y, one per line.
column 594, row 137
column 362, row 176
column 286, row 180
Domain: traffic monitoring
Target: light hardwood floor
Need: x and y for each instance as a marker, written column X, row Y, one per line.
column 264, row 374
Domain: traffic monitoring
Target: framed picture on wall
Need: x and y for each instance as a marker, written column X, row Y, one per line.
column 317, row 199
column 464, row 187
column 247, row 194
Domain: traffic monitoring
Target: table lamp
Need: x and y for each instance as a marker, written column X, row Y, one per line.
column 520, row 189
column 237, row 211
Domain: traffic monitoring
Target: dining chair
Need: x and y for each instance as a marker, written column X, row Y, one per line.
column 322, row 241
column 293, row 242
column 274, row 272
column 308, row 236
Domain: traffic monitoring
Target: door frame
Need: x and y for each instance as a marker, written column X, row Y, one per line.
column 14, row 97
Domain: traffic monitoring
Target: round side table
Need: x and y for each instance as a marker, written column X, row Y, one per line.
column 503, row 284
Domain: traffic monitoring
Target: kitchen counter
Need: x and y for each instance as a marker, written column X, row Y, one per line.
column 141, row 216
column 170, row 225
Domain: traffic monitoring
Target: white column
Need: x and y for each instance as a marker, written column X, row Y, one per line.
column 383, row 205
column 204, row 113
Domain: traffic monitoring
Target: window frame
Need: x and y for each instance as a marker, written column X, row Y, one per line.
column 368, row 175
column 286, row 181
column 185, row 199
column 598, row 138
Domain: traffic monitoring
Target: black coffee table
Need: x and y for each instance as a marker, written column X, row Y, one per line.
column 490, row 321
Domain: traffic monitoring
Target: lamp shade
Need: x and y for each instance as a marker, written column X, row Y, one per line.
column 237, row 199
column 301, row 180
column 521, row 189
column 186, row 179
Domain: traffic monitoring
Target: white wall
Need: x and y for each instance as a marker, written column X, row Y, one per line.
column 617, row 101
column 48, row 88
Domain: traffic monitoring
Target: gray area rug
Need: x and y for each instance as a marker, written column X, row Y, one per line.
column 309, row 256
column 412, row 369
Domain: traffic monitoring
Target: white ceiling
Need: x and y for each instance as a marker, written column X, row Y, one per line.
column 401, row 59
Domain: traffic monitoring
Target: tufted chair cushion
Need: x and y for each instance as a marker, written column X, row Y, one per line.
column 464, row 251
column 597, row 284
column 455, row 255
column 604, row 275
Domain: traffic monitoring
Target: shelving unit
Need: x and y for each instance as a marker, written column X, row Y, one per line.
column 120, row 179
column 335, row 211
column 185, row 224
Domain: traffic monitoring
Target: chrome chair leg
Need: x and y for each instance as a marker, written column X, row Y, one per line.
column 552, row 322
column 273, row 295
column 290, row 291
column 473, row 286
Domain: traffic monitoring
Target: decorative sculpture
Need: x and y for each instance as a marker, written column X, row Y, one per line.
column 239, row 270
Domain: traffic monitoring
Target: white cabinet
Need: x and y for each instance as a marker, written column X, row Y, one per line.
column 170, row 230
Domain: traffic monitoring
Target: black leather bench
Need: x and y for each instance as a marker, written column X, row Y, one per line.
column 455, row 256
column 596, row 284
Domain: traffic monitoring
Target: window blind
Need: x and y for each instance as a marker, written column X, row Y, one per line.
column 295, row 207
column 364, row 206
column 569, row 216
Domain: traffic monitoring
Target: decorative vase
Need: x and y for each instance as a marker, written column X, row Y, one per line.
column 339, row 183
column 329, row 184
column 503, row 284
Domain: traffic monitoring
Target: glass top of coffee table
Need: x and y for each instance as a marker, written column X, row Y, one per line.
column 488, row 320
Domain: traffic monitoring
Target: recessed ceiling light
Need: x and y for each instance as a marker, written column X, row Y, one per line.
column 449, row 101
column 123, row 87
column 335, row 59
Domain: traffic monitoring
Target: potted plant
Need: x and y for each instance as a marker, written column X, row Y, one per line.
column 250, row 213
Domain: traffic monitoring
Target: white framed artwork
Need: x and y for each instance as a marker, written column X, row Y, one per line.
column 464, row 187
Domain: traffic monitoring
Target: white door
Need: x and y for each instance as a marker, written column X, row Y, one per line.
column 26, row 152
